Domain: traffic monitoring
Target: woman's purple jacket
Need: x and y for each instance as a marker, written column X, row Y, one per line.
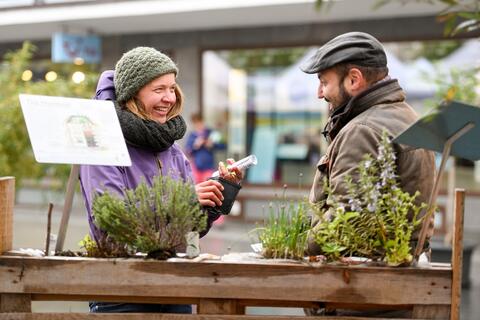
column 95, row 179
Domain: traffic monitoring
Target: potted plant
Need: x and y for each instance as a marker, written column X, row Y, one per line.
column 375, row 220
column 153, row 220
column 284, row 233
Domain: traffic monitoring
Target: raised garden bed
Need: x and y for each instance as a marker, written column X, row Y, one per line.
column 222, row 290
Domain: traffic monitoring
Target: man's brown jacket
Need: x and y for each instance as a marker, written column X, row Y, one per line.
column 356, row 130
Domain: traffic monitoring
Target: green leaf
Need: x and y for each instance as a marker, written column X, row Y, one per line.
column 469, row 25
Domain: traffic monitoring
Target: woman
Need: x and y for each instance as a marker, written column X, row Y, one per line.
column 149, row 103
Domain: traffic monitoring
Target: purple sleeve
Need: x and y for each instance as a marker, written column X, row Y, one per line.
column 105, row 86
column 95, row 180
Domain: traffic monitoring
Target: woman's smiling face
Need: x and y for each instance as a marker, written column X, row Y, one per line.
column 158, row 97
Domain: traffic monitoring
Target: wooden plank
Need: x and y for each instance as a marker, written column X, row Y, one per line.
column 118, row 298
column 174, row 300
column 441, row 265
column 157, row 316
column 431, row 312
column 359, row 307
column 457, row 253
column 278, row 303
column 15, row 302
column 147, row 278
column 242, row 303
column 220, row 306
column 7, row 199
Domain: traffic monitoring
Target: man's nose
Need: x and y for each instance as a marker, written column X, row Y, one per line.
column 320, row 92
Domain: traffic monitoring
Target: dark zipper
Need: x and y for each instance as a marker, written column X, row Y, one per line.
column 159, row 165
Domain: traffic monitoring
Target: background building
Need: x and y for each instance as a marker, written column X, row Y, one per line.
column 267, row 108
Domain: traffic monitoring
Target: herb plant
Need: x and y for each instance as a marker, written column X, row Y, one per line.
column 105, row 248
column 154, row 220
column 284, row 233
column 375, row 220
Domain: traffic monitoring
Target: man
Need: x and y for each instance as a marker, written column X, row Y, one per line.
column 363, row 101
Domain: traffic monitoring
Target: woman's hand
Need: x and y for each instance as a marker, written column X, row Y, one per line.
column 233, row 174
column 209, row 193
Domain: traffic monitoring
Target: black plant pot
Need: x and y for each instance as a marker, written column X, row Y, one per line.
column 230, row 191
column 161, row 254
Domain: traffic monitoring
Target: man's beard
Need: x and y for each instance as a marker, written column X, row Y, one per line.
column 343, row 99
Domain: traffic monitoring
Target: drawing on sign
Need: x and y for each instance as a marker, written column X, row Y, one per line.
column 82, row 131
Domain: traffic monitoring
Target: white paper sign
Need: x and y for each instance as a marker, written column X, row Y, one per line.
column 75, row 131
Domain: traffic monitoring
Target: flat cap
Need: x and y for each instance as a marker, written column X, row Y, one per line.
column 353, row 47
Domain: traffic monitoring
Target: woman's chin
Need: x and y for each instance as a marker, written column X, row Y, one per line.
column 160, row 119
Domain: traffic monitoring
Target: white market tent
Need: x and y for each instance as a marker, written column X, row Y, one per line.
column 293, row 89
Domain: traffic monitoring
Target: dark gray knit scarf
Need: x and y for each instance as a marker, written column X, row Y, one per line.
column 149, row 134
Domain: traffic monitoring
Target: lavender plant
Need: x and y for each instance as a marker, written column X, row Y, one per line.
column 152, row 219
column 375, row 219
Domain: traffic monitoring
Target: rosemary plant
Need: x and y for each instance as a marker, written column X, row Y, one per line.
column 154, row 220
column 376, row 219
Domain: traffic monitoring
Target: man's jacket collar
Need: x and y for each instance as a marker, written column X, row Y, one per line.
column 381, row 92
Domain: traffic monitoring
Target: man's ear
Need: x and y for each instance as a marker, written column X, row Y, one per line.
column 355, row 82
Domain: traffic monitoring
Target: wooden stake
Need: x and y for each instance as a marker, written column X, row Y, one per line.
column 7, row 200
column 49, row 227
column 67, row 206
column 457, row 253
column 449, row 217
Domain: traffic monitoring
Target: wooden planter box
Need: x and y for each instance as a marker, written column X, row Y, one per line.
column 222, row 290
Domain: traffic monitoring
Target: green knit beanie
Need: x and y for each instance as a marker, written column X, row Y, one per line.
column 138, row 67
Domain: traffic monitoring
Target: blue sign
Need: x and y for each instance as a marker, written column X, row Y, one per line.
column 68, row 47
